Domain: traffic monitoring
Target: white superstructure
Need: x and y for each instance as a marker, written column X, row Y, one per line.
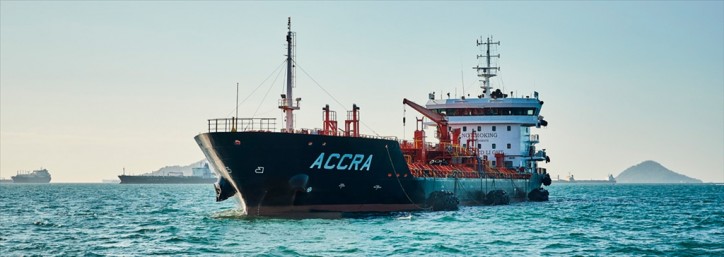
column 501, row 124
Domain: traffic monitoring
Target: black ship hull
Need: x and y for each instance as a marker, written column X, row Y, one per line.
column 126, row 179
column 287, row 174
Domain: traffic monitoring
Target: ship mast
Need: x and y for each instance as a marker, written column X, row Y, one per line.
column 487, row 72
column 287, row 101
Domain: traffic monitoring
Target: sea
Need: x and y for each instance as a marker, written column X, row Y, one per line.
column 185, row 220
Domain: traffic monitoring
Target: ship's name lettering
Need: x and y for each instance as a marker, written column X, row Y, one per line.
column 481, row 134
column 336, row 161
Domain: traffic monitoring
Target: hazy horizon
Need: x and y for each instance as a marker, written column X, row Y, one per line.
column 88, row 88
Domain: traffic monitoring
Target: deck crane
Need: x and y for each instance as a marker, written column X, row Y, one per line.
column 442, row 127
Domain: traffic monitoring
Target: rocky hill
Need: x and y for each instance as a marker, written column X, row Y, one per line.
column 652, row 172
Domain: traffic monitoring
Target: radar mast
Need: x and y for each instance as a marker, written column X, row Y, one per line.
column 287, row 101
column 487, row 71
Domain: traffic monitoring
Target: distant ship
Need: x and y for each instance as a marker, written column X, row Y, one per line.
column 201, row 175
column 36, row 176
column 485, row 154
column 570, row 179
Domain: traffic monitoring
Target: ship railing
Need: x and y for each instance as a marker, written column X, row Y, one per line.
column 534, row 138
column 241, row 124
column 303, row 131
column 451, row 149
column 430, row 173
column 283, row 104
column 393, row 138
column 539, row 155
column 319, row 131
column 404, row 143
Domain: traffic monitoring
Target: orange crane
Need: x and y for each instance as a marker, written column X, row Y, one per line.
column 439, row 119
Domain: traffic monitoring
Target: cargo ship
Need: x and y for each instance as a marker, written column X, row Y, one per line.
column 484, row 155
column 200, row 175
column 571, row 180
column 36, row 176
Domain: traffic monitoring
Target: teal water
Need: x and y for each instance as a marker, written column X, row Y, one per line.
column 182, row 220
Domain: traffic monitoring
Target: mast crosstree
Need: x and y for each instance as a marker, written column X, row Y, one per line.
column 487, row 71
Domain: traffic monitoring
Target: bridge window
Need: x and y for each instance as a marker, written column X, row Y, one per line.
column 508, row 146
column 520, row 111
column 479, row 128
column 508, row 128
column 493, row 146
column 465, row 128
column 479, row 146
column 493, row 128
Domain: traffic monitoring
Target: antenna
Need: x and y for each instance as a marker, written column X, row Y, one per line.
column 462, row 79
column 487, row 71
column 237, row 105
column 287, row 101
column 290, row 81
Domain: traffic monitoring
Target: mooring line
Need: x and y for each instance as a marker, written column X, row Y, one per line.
column 389, row 156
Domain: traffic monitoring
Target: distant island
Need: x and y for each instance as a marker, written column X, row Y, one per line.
column 652, row 172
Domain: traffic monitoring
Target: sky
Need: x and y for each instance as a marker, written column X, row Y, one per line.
column 88, row 88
